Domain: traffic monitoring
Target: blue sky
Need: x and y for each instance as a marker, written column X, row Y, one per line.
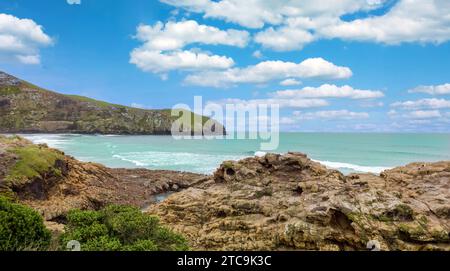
column 359, row 65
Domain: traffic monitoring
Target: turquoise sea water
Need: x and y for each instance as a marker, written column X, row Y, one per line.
column 346, row 152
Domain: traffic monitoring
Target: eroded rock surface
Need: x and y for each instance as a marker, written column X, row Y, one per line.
column 284, row 202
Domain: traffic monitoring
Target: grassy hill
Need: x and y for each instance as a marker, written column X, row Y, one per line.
column 26, row 108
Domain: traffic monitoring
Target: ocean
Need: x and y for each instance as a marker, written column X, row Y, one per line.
column 348, row 152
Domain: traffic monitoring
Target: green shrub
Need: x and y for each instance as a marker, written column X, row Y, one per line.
column 119, row 228
column 21, row 228
column 142, row 245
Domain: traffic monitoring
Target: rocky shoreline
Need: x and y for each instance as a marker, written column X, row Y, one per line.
column 288, row 202
column 275, row 202
column 80, row 185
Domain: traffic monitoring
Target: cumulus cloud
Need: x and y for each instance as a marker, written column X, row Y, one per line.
column 420, row 114
column 257, row 13
column 423, row 104
column 290, row 82
column 330, row 115
column 176, row 35
column 330, row 91
column 371, row 104
column 310, row 97
column 257, row 54
column 29, row 59
column 299, row 116
column 407, row 21
column 293, row 24
column 74, row 2
column 159, row 62
column 283, row 103
column 162, row 49
column 21, row 39
column 432, row 90
column 284, row 38
column 416, row 115
column 140, row 106
column 270, row 70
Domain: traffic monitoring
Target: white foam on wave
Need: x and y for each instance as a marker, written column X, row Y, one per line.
column 194, row 162
column 133, row 161
column 352, row 167
column 260, row 153
column 109, row 135
column 51, row 140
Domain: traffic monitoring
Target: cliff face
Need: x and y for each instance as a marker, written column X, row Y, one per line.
column 285, row 202
column 25, row 108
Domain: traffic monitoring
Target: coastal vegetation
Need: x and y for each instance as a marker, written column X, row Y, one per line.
column 120, row 228
column 21, row 228
column 114, row 228
column 33, row 161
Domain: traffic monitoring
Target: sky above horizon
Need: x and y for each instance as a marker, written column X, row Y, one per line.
column 351, row 65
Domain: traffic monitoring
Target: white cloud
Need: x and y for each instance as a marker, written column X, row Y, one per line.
column 21, row 39
column 257, row 54
column 290, row 82
column 74, row 2
column 392, row 113
column 159, row 62
column 139, row 105
column 257, row 13
column 283, row 103
column 292, row 24
column 423, row 104
column 420, row 114
column 29, row 59
column 432, row 90
column 284, row 38
column 162, row 49
column 371, row 103
column 330, row 115
column 176, row 35
column 329, row 91
column 270, row 70
column 416, row 115
column 408, row 21
column 288, row 121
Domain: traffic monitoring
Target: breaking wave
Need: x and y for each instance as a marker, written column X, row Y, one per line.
column 347, row 167
column 195, row 162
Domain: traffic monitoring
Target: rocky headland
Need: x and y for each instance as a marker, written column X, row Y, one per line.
column 26, row 108
column 275, row 202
